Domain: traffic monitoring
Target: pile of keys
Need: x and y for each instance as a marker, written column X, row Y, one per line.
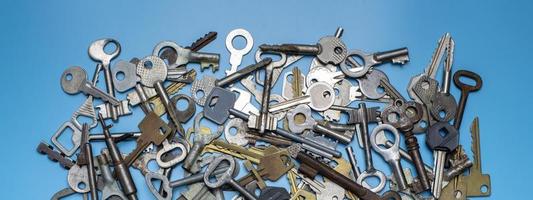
column 297, row 134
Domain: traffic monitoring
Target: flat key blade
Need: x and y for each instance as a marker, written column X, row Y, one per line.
column 478, row 184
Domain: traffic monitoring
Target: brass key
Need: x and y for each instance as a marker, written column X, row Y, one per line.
column 154, row 130
column 478, row 184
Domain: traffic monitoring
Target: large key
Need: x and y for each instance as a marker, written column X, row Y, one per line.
column 97, row 53
column 185, row 56
column 74, row 80
column 226, row 178
column 442, row 138
column 328, row 50
column 354, row 69
column 390, row 154
column 154, row 130
column 478, row 184
column 237, row 54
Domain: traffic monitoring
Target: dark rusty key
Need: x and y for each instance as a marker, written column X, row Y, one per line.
column 465, row 91
column 54, row 155
column 154, row 130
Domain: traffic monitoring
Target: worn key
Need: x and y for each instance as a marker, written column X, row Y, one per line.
column 225, row 178
column 154, row 130
column 478, row 184
column 444, row 106
column 390, row 154
column 185, row 56
column 74, row 80
column 329, row 49
column 352, row 68
column 97, row 52
column 465, row 91
column 320, row 96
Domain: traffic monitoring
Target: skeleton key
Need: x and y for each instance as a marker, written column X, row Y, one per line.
column 237, row 54
column 54, row 155
column 354, row 69
column 478, row 184
column 74, row 80
column 154, row 130
column 97, row 53
column 329, row 49
column 185, row 56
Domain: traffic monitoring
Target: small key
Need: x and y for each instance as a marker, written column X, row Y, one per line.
column 185, row 56
column 74, row 80
column 97, row 52
column 478, row 184
column 54, row 155
column 329, row 49
column 390, row 154
column 352, row 68
column 442, row 138
column 237, row 54
column 154, row 130
column 200, row 140
column 226, row 178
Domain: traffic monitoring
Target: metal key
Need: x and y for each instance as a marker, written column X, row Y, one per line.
column 226, row 178
column 353, row 162
column 237, row 54
column 74, row 80
column 465, row 91
column 185, row 56
column 478, row 184
column 154, row 130
column 444, row 106
column 97, row 53
column 370, row 170
column 352, row 68
column 320, row 96
column 390, row 154
column 442, row 138
column 329, row 49
column 200, row 140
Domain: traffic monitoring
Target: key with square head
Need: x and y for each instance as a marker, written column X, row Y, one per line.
column 97, row 53
column 352, row 68
column 154, row 130
column 328, row 50
column 442, row 138
column 478, row 184
column 74, row 80
column 226, row 178
column 185, row 56
column 237, row 54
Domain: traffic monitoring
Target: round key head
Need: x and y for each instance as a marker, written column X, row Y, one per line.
column 124, row 75
column 216, row 181
column 442, row 136
column 97, row 50
column 182, row 54
column 322, row 96
column 332, row 50
column 239, row 33
column 72, row 79
column 371, row 83
column 389, row 154
column 352, row 67
column 151, row 69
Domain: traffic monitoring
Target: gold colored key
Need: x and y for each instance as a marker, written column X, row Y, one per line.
column 477, row 183
column 172, row 89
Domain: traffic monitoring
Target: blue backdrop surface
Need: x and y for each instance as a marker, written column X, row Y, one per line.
column 40, row 39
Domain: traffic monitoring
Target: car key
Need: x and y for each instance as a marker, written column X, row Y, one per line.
column 74, row 80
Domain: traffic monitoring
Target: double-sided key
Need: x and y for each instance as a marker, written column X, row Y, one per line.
column 74, row 80
column 154, row 130
column 442, row 138
column 225, row 178
column 328, row 50
column 185, row 56
column 443, row 104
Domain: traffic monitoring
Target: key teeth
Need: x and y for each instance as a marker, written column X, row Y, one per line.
column 203, row 41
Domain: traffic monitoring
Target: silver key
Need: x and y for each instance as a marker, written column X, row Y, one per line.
column 226, row 178
column 320, row 96
column 390, row 154
column 443, row 105
column 185, row 56
column 74, row 80
column 354, row 69
column 323, row 74
column 97, row 53
column 237, row 54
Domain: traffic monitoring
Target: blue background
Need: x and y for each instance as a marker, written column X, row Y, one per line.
column 40, row 39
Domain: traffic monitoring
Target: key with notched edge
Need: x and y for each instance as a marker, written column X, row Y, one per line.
column 154, row 130
column 54, row 155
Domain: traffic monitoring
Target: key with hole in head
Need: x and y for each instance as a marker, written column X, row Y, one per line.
column 237, row 54
column 185, row 55
column 328, row 50
column 352, row 68
column 154, row 130
column 443, row 104
column 74, row 80
column 225, row 178
column 478, row 184
column 442, row 138
column 97, row 53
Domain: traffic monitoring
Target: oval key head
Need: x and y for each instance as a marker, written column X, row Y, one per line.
column 239, row 33
column 151, row 69
column 72, row 79
column 221, row 179
column 150, row 177
column 97, row 50
column 465, row 73
column 442, row 136
column 387, row 153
